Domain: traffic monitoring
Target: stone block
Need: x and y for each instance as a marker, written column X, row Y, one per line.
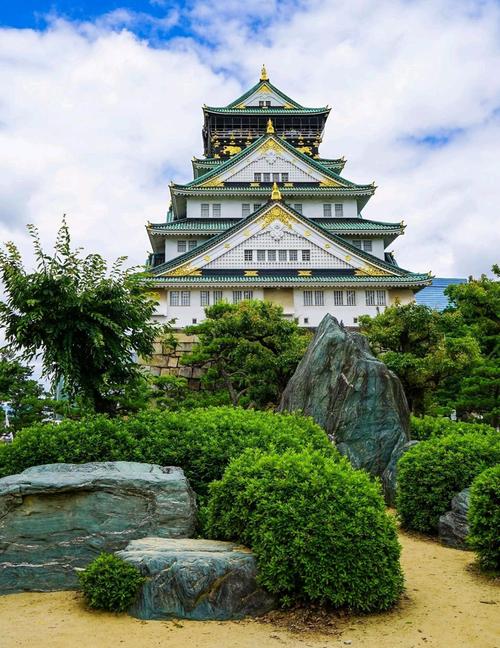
column 197, row 372
column 195, row 579
column 58, row 517
column 173, row 361
column 185, row 372
column 453, row 527
column 159, row 360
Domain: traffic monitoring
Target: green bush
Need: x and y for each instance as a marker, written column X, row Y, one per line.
column 317, row 526
column 94, row 438
column 484, row 518
column 203, row 441
column 428, row 427
column 109, row 583
column 433, row 471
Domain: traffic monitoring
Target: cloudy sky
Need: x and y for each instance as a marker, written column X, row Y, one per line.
column 100, row 107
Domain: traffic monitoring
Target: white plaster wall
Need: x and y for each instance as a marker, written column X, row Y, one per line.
column 233, row 208
column 184, row 315
column 314, row 208
column 229, row 208
column 171, row 244
column 378, row 248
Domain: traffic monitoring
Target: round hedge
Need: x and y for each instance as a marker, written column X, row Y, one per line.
column 433, row 471
column 109, row 583
column 484, row 518
column 317, row 526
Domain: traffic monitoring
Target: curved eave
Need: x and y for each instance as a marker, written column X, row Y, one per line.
column 185, row 190
column 251, row 110
column 415, row 281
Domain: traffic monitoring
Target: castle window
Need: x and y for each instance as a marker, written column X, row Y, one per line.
column 282, row 255
column 266, row 177
column 185, row 298
column 319, row 298
column 248, row 255
column 257, row 177
column 284, row 177
column 261, row 255
column 351, row 297
column 327, row 210
column 271, row 255
column 306, row 255
column 245, row 210
column 248, row 294
column 367, row 246
column 276, row 177
column 205, row 298
column 298, row 207
column 308, row 298
column 293, row 255
column 370, row 297
column 356, row 244
column 192, row 244
column 181, row 246
column 180, row 298
column 174, row 298
column 217, row 296
column 205, row 210
column 338, row 297
column 339, row 210
column 237, row 296
column 216, row 210
column 257, row 206
column 381, row 298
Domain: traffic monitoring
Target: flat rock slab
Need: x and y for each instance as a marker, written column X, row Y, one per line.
column 196, row 579
column 58, row 517
column 453, row 527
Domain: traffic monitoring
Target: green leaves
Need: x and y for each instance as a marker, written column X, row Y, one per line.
column 317, row 526
column 109, row 583
column 87, row 324
column 484, row 518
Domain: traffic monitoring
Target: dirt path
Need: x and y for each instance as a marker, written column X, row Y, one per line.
column 447, row 605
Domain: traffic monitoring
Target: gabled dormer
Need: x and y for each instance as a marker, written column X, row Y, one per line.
column 229, row 129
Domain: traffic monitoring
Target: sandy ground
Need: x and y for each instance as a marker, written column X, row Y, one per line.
column 447, row 604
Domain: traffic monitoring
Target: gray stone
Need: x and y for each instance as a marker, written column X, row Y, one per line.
column 195, row 579
column 453, row 527
column 58, row 517
column 352, row 395
column 389, row 476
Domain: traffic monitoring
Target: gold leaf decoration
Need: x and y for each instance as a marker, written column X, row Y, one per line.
column 329, row 183
column 185, row 270
column 215, row 182
column 370, row 271
column 305, row 149
column 251, row 273
column 304, row 273
column 276, row 213
column 270, row 145
column 231, row 150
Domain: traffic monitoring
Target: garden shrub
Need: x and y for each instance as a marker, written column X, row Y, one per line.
column 484, row 518
column 318, row 527
column 109, row 583
column 203, row 441
column 427, row 427
column 94, row 438
column 433, row 471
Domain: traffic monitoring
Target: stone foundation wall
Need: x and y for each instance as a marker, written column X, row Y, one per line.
column 165, row 361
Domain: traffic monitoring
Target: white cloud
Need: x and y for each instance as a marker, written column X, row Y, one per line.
column 95, row 122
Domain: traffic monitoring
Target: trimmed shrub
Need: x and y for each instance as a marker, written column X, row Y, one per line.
column 317, row 526
column 109, row 583
column 433, row 471
column 94, row 438
column 200, row 441
column 203, row 441
column 484, row 518
column 429, row 427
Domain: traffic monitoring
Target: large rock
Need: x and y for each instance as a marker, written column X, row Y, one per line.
column 352, row 395
column 57, row 517
column 195, row 579
column 390, row 474
column 453, row 527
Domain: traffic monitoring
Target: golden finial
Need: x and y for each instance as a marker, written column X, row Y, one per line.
column 263, row 74
column 270, row 127
column 276, row 193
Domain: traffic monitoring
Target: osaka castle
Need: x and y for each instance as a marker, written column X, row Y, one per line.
column 266, row 217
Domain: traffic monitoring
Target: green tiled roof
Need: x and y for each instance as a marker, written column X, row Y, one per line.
column 254, row 110
column 187, row 256
column 210, row 225
column 408, row 280
column 227, row 164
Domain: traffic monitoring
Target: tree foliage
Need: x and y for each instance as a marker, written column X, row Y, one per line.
column 426, row 349
column 85, row 322
column 250, row 349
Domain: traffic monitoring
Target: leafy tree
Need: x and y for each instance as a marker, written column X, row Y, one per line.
column 250, row 349
column 479, row 304
column 85, row 322
column 25, row 397
column 479, row 393
column 428, row 351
